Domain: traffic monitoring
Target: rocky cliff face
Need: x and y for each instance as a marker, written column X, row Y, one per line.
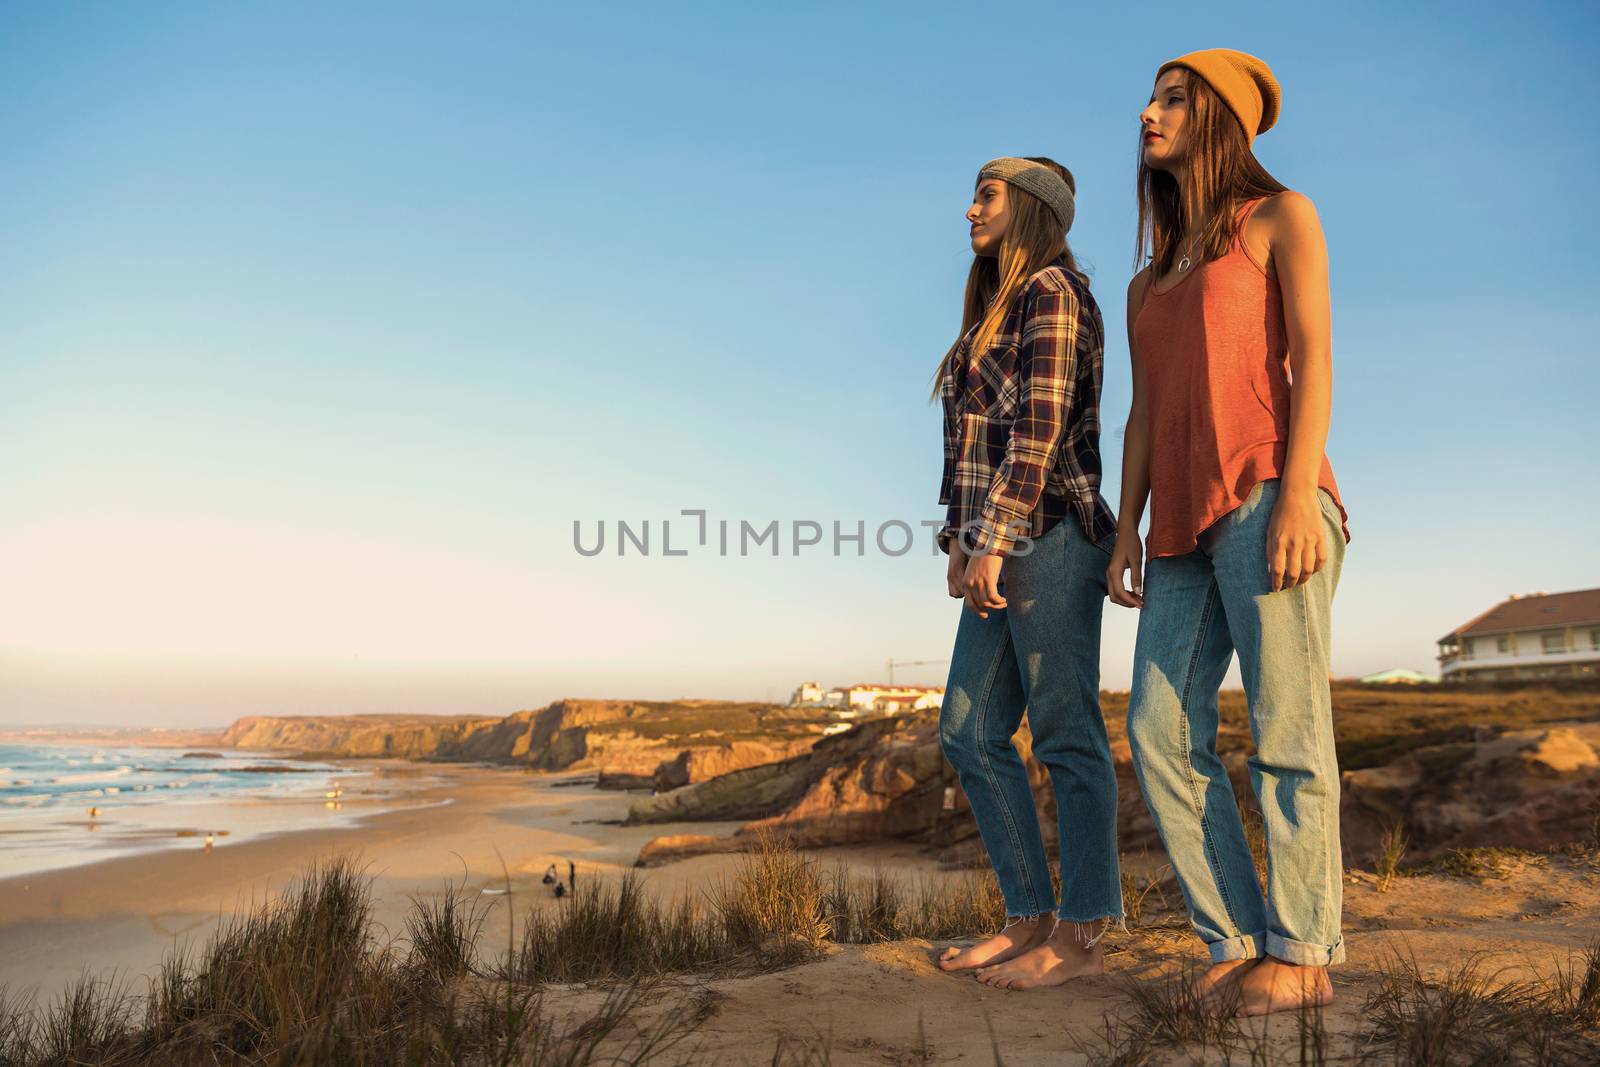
column 884, row 778
column 1532, row 789
column 632, row 743
column 358, row 735
column 1535, row 787
column 1459, row 768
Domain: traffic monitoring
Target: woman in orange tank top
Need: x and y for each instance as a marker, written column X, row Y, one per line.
column 1230, row 340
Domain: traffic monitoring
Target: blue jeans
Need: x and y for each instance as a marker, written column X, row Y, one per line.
column 1199, row 609
column 1040, row 653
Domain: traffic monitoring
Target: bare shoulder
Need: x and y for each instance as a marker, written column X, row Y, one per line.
column 1288, row 213
column 1136, row 288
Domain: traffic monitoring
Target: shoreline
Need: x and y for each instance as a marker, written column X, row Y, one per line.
column 179, row 806
column 487, row 827
column 381, row 817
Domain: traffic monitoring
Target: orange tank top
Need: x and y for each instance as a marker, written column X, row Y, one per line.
column 1216, row 362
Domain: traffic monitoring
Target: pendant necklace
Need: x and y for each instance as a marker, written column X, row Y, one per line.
column 1184, row 263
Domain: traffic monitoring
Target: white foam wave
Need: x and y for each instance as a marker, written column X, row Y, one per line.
column 93, row 776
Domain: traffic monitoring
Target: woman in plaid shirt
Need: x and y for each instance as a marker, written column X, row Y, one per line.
column 1028, row 535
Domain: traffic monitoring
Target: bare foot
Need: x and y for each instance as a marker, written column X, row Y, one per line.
column 1015, row 939
column 1274, row 985
column 1218, row 989
column 1057, row 959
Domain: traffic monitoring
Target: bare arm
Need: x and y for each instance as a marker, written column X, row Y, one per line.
column 1127, row 557
column 1296, row 539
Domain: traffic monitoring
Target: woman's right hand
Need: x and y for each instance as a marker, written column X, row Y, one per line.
column 955, row 575
column 1127, row 557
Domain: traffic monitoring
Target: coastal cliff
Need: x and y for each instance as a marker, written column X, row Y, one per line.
column 398, row 737
column 1459, row 768
column 630, row 743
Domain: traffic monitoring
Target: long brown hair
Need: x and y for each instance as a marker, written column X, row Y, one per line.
column 1032, row 241
column 1222, row 172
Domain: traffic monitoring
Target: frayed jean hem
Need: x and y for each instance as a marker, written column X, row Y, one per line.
column 1115, row 918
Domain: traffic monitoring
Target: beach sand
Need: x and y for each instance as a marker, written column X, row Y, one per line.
column 482, row 824
column 890, row 1004
column 877, row 1004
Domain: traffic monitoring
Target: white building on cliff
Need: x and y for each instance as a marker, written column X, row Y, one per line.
column 1535, row 635
column 851, row 701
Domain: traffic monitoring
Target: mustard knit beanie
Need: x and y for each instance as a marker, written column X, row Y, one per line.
column 1244, row 82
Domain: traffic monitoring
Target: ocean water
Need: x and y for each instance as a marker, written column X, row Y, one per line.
column 77, row 777
column 63, row 805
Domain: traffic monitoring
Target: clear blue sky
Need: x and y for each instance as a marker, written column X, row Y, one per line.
column 320, row 324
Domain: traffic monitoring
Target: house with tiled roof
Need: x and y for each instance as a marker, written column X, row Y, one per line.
column 1532, row 635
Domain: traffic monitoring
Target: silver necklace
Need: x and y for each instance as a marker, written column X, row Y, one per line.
column 1184, row 263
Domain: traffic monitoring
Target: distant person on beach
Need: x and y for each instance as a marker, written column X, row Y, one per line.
column 1029, row 535
column 1228, row 329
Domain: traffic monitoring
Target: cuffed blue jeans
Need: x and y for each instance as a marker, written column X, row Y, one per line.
column 1198, row 610
column 1040, row 654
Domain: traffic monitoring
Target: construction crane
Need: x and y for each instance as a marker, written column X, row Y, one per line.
column 892, row 664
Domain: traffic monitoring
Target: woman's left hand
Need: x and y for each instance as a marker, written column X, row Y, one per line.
column 983, row 583
column 1297, row 542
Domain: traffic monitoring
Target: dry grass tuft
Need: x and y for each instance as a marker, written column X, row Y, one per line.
column 443, row 933
column 616, row 932
column 86, row 1023
column 863, row 909
column 303, row 980
column 1393, row 852
column 1137, row 899
column 773, row 909
column 1469, row 1016
column 1167, row 1012
column 1573, row 992
column 1493, row 862
column 1167, row 1020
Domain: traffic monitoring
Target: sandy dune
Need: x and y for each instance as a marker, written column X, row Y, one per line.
column 879, row 1004
column 121, row 915
column 889, row 1003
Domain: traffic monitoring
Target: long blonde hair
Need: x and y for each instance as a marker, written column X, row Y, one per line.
column 1032, row 242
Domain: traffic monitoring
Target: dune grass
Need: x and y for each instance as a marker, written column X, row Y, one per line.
column 1392, row 852
column 779, row 908
column 304, row 979
column 1467, row 1016
column 1493, row 862
column 881, row 906
column 307, row 979
column 1470, row 1015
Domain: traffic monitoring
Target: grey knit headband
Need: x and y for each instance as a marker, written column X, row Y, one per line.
column 1035, row 178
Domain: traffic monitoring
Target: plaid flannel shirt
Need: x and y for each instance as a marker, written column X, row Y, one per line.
column 1022, row 429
